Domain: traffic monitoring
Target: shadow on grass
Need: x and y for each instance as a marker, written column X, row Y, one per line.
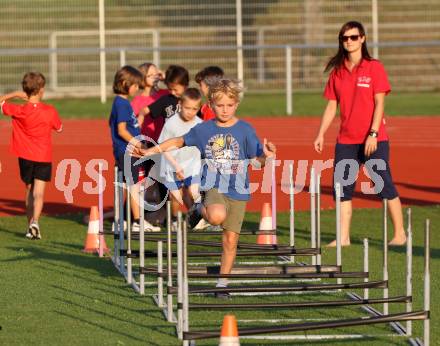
column 34, row 253
column 63, row 211
column 107, row 329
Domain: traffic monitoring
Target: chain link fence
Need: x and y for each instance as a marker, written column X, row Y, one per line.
column 34, row 33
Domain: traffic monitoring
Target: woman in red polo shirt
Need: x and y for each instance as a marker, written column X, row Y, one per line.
column 358, row 84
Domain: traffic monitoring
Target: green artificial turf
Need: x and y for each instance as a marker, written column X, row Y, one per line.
column 254, row 105
column 54, row 294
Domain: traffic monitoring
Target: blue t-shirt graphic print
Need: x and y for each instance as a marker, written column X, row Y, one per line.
column 226, row 154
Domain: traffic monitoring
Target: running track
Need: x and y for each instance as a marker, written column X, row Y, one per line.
column 415, row 162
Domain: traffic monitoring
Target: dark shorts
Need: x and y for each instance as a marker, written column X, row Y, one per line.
column 349, row 158
column 30, row 170
column 131, row 173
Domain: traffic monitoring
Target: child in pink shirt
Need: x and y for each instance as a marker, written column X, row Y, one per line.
column 150, row 94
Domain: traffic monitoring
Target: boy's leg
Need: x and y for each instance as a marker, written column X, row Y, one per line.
column 190, row 194
column 38, row 198
column 229, row 242
column 215, row 214
column 27, row 176
column 176, row 197
column 134, row 200
column 29, row 201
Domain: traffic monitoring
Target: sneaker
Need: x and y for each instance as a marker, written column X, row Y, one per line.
column 194, row 216
column 34, row 229
column 29, row 234
column 222, row 295
column 203, row 224
column 216, row 228
column 148, row 227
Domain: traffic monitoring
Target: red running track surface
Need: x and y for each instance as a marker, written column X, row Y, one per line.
column 415, row 163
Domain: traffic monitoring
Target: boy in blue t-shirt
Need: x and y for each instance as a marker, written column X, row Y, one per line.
column 124, row 129
column 227, row 145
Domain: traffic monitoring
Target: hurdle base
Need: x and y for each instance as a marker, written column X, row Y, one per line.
column 397, row 327
column 164, row 309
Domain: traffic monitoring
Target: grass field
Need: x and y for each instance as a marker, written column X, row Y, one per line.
column 52, row 293
column 304, row 104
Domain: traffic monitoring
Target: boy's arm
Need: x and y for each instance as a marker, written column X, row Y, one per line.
column 269, row 151
column 168, row 145
column 126, row 136
column 140, row 119
column 15, row 94
column 177, row 167
column 143, row 112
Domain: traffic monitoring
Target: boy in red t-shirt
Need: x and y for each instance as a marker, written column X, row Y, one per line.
column 31, row 142
column 204, row 78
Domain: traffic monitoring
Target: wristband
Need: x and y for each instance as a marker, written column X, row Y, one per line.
column 373, row 134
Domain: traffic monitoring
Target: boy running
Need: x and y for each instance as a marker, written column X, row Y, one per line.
column 181, row 168
column 32, row 124
column 227, row 145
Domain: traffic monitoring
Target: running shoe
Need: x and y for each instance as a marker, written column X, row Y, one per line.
column 222, row 295
column 202, row 225
column 34, row 229
column 148, row 227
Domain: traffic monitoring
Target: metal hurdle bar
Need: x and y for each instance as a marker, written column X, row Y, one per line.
column 318, row 217
column 129, row 259
column 121, row 222
column 409, row 269
column 397, row 327
column 379, row 318
column 338, row 227
column 116, row 258
column 291, row 211
column 312, row 190
column 167, row 307
column 385, row 252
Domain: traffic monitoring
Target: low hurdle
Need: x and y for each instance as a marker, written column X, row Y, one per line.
column 408, row 316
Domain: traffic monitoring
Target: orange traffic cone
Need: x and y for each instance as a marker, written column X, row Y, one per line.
column 92, row 239
column 229, row 332
column 266, row 235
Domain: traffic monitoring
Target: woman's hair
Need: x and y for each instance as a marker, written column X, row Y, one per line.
column 191, row 94
column 32, row 83
column 177, row 74
column 342, row 54
column 223, row 86
column 143, row 68
column 210, row 73
column 125, row 78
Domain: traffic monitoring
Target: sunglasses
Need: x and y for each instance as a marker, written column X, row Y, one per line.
column 351, row 37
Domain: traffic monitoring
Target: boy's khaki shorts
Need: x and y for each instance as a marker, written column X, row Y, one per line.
column 235, row 209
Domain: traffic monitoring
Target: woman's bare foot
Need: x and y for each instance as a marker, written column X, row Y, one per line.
column 398, row 240
column 343, row 243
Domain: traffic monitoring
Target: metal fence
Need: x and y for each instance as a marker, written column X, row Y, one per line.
column 62, row 39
